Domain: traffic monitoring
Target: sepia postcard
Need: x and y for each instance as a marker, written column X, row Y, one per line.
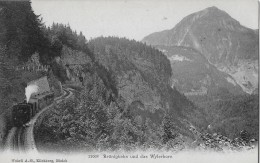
column 129, row 81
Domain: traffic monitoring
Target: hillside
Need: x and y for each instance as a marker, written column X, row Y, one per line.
column 143, row 77
column 192, row 74
column 226, row 44
column 126, row 93
column 230, row 115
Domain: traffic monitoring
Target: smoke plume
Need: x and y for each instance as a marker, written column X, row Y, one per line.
column 29, row 90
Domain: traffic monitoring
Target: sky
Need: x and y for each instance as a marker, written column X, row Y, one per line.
column 135, row 19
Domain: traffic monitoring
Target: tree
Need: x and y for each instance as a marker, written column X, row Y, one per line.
column 23, row 32
column 168, row 128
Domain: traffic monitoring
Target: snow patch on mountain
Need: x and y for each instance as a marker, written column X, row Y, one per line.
column 231, row 81
column 179, row 58
column 200, row 92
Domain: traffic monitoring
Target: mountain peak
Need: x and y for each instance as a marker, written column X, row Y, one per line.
column 213, row 11
column 213, row 8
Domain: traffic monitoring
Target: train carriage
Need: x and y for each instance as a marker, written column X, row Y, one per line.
column 42, row 100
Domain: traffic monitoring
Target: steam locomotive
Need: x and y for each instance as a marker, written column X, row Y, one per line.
column 23, row 112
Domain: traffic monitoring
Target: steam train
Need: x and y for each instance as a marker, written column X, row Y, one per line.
column 23, row 112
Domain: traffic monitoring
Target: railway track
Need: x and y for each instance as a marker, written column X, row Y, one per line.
column 20, row 139
column 17, row 139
